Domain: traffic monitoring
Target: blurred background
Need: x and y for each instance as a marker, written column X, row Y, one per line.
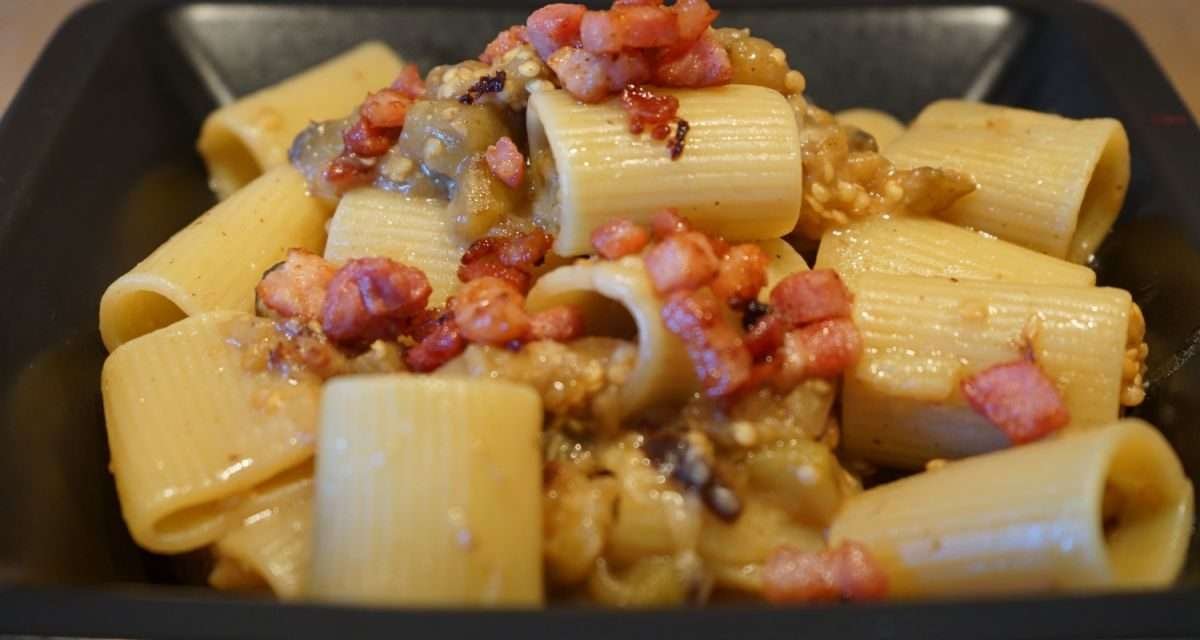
column 1171, row 28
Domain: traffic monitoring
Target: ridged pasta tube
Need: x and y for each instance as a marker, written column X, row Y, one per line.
column 272, row 546
column 1048, row 183
column 926, row 247
column 193, row 434
column 739, row 175
column 784, row 261
column 215, row 262
column 1108, row 508
column 901, row 404
column 428, row 493
column 252, row 135
column 415, row 231
column 608, row 292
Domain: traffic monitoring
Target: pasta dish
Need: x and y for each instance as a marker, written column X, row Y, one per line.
column 615, row 314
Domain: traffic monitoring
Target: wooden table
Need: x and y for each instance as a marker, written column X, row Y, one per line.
column 1170, row 27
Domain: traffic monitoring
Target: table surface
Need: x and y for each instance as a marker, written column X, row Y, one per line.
column 1170, row 28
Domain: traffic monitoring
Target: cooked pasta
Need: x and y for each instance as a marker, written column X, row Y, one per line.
column 271, row 547
column 428, row 493
column 661, row 373
column 616, row 314
column 925, row 247
column 902, row 404
column 192, row 433
column 784, row 261
column 1047, row 183
column 737, row 134
column 244, row 139
column 214, row 263
column 1106, row 509
column 372, row 222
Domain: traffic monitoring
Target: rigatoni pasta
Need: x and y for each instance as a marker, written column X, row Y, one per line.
column 926, row 247
column 244, row 139
column 1106, row 509
column 214, row 263
column 192, row 433
column 415, row 231
column 922, row 336
column 565, row 343
column 784, row 260
column 428, row 493
column 271, row 547
column 1048, row 183
column 739, row 135
column 661, row 374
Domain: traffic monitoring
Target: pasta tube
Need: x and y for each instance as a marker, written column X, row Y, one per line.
column 663, row 372
column 415, row 231
column 215, row 262
column 901, row 404
column 428, row 493
column 925, row 247
column 739, row 175
column 242, row 140
column 272, row 546
column 1108, row 508
column 882, row 126
column 228, row 575
column 1048, row 183
column 194, row 433
column 784, row 261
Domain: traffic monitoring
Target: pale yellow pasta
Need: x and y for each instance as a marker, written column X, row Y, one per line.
column 256, row 559
column 882, row 126
column 415, row 231
column 784, row 261
column 1108, row 508
column 227, row 575
column 595, row 467
column 608, row 292
column 739, row 175
column 272, row 546
column 901, row 403
column 428, row 493
column 1045, row 182
column 252, row 135
column 215, row 262
column 283, row 488
column 926, row 247
column 192, row 433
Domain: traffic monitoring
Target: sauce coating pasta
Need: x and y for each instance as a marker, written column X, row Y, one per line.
column 704, row 411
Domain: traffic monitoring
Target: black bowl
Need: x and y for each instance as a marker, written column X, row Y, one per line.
column 97, row 167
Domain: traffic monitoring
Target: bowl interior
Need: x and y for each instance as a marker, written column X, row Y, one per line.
column 120, row 174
